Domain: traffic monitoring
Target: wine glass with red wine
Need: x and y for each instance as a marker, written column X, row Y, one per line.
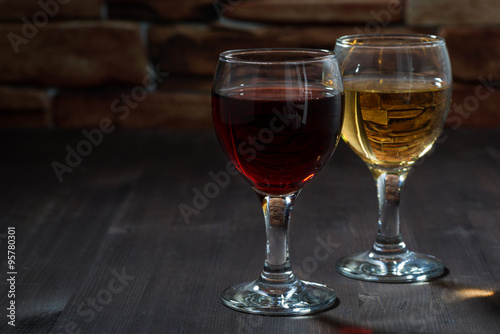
column 278, row 115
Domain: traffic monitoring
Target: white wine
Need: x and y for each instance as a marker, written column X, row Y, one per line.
column 389, row 122
column 397, row 97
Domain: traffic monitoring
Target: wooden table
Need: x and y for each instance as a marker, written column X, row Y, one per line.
column 107, row 250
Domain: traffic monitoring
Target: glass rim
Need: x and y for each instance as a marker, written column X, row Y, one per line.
column 405, row 40
column 316, row 55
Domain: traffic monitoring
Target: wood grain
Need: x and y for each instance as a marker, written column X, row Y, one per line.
column 107, row 250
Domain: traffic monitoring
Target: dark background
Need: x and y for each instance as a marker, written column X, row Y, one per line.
column 69, row 64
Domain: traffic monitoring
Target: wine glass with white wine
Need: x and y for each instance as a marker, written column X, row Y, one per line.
column 397, row 95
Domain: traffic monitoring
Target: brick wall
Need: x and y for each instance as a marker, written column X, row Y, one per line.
column 149, row 63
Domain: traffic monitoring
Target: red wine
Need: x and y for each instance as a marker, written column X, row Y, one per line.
column 278, row 138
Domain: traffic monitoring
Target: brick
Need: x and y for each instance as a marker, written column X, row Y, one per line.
column 14, row 10
column 193, row 49
column 162, row 10
column 24, row 107
column 24, row 120
column 73, row 54
column 159, row 109
column 313, row 11
column 172, row 110
column 474, row 51
column 82, row 110
column 432, row 12
column 474, row 106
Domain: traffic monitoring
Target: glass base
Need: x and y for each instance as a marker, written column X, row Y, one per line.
column 296, row 298
column 397, row 268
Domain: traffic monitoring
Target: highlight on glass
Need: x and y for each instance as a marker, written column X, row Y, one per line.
column 397, row 94
column 278, row 114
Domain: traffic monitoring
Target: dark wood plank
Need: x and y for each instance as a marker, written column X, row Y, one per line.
column 117, row 215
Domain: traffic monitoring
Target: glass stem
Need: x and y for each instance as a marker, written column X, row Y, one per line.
column 277, row 212
column 389, row 186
